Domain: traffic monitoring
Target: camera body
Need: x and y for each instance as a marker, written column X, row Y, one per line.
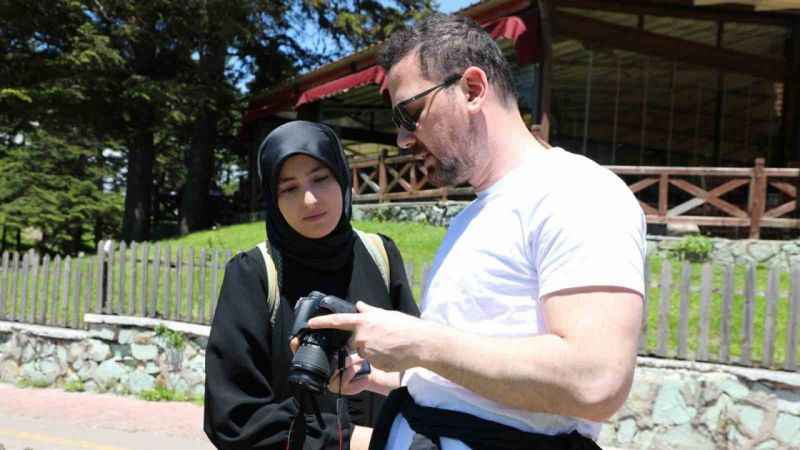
column 312, row 365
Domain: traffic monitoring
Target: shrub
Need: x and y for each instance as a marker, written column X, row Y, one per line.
column 694, row 248
column 175, row 339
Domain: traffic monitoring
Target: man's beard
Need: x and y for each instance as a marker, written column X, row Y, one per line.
column 456, row 167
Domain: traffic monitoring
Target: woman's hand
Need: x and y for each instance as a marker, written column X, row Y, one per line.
column 376, row 380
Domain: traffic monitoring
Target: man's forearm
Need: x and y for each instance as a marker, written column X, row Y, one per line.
column 544, row 373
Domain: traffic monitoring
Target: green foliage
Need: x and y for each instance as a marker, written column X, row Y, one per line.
column 74, row 386
column 53, row 185
column 694, row 248
column 28, row 383
column 175, row 339
column 163, row 394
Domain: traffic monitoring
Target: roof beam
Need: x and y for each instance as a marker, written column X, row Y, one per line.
column 602, row 33
column 678, row 10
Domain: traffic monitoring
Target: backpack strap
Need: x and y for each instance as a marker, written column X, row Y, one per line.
column 273, row 294
column 377, row 251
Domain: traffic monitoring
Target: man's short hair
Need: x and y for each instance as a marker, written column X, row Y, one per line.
column 449, row 44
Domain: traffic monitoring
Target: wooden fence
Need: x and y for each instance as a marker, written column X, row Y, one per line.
column 704, row 312
column 748, row 197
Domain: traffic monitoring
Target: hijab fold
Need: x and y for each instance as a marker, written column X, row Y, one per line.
column 329, row 253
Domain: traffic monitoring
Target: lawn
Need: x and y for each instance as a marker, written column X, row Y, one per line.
column 187, row 290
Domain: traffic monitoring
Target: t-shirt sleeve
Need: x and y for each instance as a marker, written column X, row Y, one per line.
column 590, row 237
column 400, row 290
column 242, row 409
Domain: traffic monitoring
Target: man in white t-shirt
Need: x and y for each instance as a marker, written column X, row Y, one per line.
column 533, row 308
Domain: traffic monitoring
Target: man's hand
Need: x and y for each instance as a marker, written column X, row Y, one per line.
column 376, row 381
column 389, row 340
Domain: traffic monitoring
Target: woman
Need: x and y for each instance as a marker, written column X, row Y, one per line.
column 307, row 188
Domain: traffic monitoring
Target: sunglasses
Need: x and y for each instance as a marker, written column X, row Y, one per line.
column 400, row 115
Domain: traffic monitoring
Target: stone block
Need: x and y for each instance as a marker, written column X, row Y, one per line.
column 750, row 419
column 626, row 432
column 102, row 332
column 684, row 437
column 139, row 381
column 126, row 335
column 144, row 352
column 787, row 429
column 144, row 338
column 98, row 350
column 670, row 408
column 9, row 371
column 109, row 373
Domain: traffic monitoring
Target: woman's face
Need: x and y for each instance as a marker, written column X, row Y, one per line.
column 309, row 197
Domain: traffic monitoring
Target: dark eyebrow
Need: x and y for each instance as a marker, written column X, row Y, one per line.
column 319, row 166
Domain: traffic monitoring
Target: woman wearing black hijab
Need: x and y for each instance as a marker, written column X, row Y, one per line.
column 307, row 187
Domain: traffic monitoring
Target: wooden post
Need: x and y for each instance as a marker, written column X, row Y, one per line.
column 75, row 309
column 178, row 282
column 643, row 335
column 12, row 298
column 214, row 284
column 53, row 298
column 190, row 287
column 382, row 180
column 23, row 310
column 547, row 24
column 758, row 198
column 65, row 279
column 4, row 282
column 123, row 275
column 747, row 318
column 155, row 280
column 134, row 249
column 145, row 278
column 794, row 313
column 168, row 283
column 769, row 319
column 46, row 290
column 725, row 317
column 663, row 317
column 663, row 192
column 99, row 276
column 705, row 303
column 683, row 321
column 202, row 287
column 34, row 287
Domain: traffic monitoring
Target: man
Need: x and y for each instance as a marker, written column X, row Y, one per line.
column 532, row 313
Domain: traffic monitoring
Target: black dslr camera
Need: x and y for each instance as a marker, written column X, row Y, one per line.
column 313, row 364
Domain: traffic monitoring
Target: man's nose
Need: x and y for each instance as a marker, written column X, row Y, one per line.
column 405, row 139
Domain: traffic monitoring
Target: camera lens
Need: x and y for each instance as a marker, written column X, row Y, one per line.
column 310, row 367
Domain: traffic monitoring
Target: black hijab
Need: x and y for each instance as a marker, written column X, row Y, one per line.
column 329, row 253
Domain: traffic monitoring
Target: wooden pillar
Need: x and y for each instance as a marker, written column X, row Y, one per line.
column 758, row 198
column 546, row 24
column 719, row 125
column 791, row 97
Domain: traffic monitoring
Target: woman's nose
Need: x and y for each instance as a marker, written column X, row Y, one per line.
column 309, row 198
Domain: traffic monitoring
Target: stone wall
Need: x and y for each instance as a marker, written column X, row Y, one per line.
column 684, row 405
column 781, row 254
column 123, row 355
column 673, row 405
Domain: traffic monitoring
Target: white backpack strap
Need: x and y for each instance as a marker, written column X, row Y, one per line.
column 377, row 251
column 273, row 294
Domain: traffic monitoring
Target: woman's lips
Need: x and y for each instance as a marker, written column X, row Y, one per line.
column 314, row 217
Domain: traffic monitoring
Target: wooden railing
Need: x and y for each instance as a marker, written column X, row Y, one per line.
column 748, row 197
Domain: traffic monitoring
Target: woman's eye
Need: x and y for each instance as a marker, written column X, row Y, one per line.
column 321, row 179
column 287, row 190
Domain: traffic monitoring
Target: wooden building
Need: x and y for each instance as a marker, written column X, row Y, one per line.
column 696, row 103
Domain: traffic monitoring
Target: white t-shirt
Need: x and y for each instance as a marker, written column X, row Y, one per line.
column 557, row 221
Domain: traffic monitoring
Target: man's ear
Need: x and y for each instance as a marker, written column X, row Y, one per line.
column 476, row 86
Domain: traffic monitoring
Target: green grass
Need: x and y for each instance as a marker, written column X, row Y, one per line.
column 418, row 244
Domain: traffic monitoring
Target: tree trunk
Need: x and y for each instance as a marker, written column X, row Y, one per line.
column 195, row 211
column 136, row 221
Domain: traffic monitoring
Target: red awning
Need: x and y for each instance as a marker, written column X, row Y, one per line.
column 523, row 32
column 371, row 75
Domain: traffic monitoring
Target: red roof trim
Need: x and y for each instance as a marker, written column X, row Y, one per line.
column 372, row 75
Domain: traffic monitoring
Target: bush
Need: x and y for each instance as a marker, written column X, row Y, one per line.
column 694, row 248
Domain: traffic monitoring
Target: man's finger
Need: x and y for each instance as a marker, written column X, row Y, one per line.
column 346, row 322
column 364, row 307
